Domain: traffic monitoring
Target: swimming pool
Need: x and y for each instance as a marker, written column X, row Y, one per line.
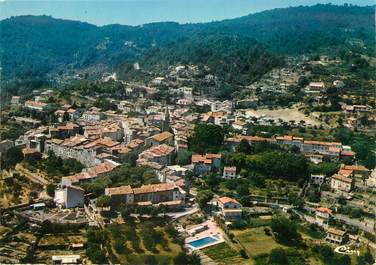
column 203, row 242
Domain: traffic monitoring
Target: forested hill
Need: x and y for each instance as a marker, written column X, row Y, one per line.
column 36, row 45
column 304, row 29
column 231, row 57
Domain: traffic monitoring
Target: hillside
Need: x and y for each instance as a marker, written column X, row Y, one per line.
column 304, row 29
column 231, row 57
column 37, row 45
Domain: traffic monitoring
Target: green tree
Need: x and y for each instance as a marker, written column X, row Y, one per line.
column 212, row 181
column 183, row 158
column 151, row 260
column 285, row 231
column 95, row 238
column 10, row 158
column 365, row 259
column 104, row 104
column 185, row 259
column 103, row 201
column 71, row 166
column 244, row 147
column 206, row 138
column 50, row 189
column 280, row 256
column 203, row 197
column 94, row 252
column 313, row 194
column 243, row 189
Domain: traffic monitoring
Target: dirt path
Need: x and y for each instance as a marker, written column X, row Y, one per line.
column 34, row 177
column 287, row 115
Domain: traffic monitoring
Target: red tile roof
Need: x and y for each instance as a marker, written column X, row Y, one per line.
column 162, row 136
column 347, row 153
column 324, row 210
column 224, row 200
column 122, row 190
column 159, row 150
column 355, row 167
column 345, row 172
column 230, row 169
column 100, row 169
column 200, row 159
column 342, row 178
column 211, row 156
column 336, row 232
column 35, row 103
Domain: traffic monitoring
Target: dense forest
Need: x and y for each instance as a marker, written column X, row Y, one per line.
column 38, row 45
column 230, row 57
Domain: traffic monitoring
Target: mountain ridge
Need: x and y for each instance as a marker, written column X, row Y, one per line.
column 41, row 45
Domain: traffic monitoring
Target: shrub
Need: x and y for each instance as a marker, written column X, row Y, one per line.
column 243, row 254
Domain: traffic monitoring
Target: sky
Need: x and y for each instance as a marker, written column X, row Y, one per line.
column 137, row 12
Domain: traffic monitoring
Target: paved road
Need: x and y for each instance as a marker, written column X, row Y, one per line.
column 187, row 211
column 368, row 227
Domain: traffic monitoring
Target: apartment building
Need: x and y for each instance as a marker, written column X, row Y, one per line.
column 161, row 154
column 69, row 197
column 307, row 147
column 92, row 116
column 229, row 173
column 35, row 105
column 341, row 183
column 203, row 164
column 152, row 193
column 230, row 208
column 336, row 236
column 317, row 179
column 322, row 216
column 73, row 147
column 160, row 138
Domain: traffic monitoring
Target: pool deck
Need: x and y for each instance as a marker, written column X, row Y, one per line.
column 211, row 231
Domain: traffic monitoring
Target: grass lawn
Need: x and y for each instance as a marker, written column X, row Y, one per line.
column 62, row 239
column 224, row 254
column 255, row 241
column 312, row 232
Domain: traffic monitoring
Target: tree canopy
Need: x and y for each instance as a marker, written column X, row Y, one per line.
column 206, row 138
column 285, row 231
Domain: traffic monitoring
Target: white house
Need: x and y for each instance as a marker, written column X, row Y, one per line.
column 341, row 183
column 317, row 179
column 229, row 173
column 338, row 84
column 161, row 154
column 40, row 106
column 371, row 181
column 69, row 197
column 336, row 236
column 314, row 87
column 66, row 259
column 15, row 100
column 322, row 216
column 5, row 145
column 92, row 116
column 203, row 164
column 230, row 208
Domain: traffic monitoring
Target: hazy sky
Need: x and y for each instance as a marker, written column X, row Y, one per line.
column 135, row 12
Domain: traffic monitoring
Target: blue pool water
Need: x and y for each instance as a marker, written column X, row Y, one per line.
column 203, row 242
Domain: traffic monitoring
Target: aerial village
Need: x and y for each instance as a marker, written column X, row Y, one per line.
column 188, row 175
